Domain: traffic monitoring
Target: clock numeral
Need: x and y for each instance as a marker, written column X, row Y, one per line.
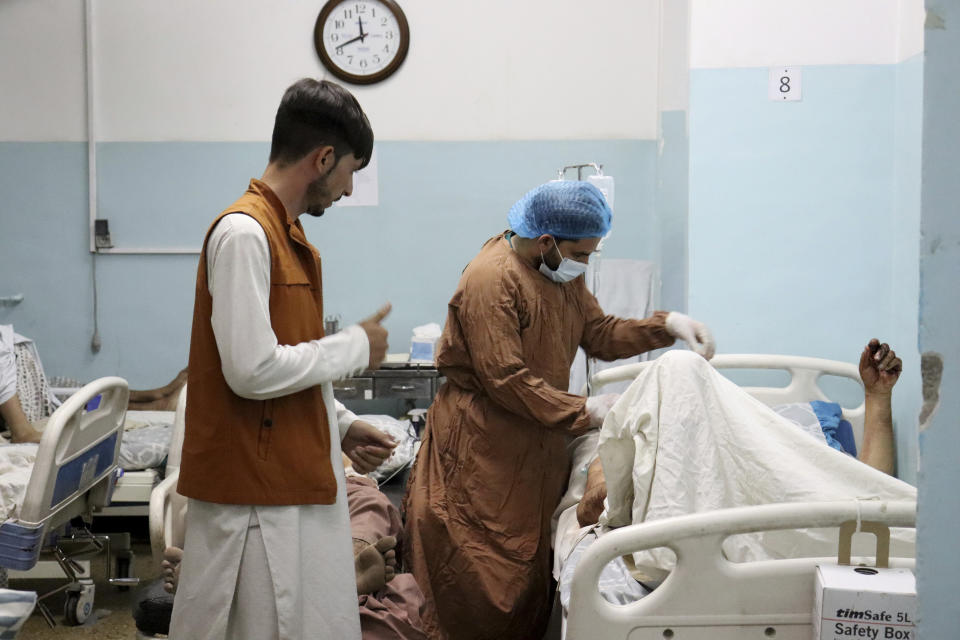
column 348, row 14
column 363, row 63
column 373, row 11
column 349, row 59
column 335, row 37
column 339, row 51
column 338, row 24
column 361, row 8
column 376, row 59
column 386, row 48
column 383, row 22
column 388, row 35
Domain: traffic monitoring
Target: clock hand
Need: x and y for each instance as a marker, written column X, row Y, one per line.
column 360, row 22
column 350, row 41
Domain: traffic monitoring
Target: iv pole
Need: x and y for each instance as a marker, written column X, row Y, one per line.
column 595, row 263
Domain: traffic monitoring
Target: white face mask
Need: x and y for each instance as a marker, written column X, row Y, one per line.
column 566, row 271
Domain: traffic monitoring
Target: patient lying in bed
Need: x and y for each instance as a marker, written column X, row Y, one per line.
column 684, row 439
column 880, row 369
column 26, row 400
column 26, row 403
column 389, row 602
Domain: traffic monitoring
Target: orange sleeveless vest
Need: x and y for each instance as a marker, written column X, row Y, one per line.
column 265, row 452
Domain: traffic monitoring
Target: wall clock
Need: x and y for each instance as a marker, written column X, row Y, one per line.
column 361, row 42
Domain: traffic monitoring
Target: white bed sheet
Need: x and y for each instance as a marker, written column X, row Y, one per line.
column 683, row 439
column 16, row 464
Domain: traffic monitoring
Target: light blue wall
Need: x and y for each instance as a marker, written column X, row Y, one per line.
column 938, row 565
column 672, row 208
column 438, row 203
column 800, row 237
column 905, row 298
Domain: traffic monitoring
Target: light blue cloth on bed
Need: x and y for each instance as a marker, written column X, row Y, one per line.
column 837, row 431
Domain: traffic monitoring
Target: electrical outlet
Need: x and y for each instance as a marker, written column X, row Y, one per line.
column 101, row 234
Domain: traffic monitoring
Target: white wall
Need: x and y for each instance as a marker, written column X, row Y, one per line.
column 42, row 73
column 910, row 23
column 761, row 33
column 214, row 70
column 675, row 55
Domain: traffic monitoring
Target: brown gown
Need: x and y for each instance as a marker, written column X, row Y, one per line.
column 493, row 464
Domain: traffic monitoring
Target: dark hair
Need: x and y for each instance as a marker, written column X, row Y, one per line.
column 316, row 113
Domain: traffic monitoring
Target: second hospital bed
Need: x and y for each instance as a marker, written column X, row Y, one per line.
column 706, row 595
column 73, row 475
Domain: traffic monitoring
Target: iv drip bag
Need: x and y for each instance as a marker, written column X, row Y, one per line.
column 605, row 184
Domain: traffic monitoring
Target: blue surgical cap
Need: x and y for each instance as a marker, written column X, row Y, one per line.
column 564, row 209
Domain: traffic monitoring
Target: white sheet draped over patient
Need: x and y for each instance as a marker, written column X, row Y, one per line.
column 16, row 464
column 683, row 439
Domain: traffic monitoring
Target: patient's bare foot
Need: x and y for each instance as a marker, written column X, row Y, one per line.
column 170, row 568
column 375, row 564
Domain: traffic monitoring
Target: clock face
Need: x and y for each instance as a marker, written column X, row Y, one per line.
column 361, row 41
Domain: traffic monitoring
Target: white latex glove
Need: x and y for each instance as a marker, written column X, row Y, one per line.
column 599, row 406
column 695, row 334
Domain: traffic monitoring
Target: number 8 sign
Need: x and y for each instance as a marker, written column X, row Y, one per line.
column 784, row 84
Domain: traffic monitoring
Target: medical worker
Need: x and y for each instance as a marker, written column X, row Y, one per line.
column 493, row 463
column 267, row 553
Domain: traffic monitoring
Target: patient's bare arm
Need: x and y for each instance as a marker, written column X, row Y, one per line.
column 16, row 420
column 591, row 506
column 160, row 399
column 879, row 369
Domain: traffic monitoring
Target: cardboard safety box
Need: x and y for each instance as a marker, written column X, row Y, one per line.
column 863, row 602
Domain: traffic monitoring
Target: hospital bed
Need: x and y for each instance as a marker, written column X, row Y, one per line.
column 131, row 496
column 73, row 475
column 141, row 459
column 141, row 469
column 706, row 595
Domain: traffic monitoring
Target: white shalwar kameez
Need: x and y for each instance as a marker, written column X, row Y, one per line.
column 269, row 572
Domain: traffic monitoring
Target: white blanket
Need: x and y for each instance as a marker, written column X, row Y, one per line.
column 16, row 463
column 683, row 439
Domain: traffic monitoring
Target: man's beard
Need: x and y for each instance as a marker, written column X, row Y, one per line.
column 317, row 196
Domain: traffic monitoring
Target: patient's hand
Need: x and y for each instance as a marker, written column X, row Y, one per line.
column 591, row 505
column 590, row 508
column 879, row 368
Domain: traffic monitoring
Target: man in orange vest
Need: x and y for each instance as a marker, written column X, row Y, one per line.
column 268, row 551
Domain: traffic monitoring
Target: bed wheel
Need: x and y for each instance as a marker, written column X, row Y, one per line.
column 79, row 604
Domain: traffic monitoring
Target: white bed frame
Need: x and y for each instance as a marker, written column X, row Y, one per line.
column 131, row 493
column 74, row 475
column 167, row 507
column 707, row 596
